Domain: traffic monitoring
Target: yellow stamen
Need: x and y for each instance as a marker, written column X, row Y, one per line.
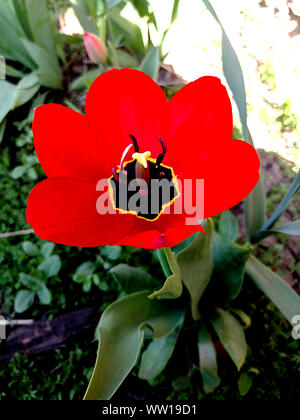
column 142, row 158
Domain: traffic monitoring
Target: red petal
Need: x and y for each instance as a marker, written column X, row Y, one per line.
column 230, row 173
column 169, row 230
column 64, row 145
column 201, row 119
column 123, row 102
column 63, row 210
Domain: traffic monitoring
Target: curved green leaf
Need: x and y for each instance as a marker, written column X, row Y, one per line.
column 25, row 89
column 228, row 225
column 121, row 332
column 196, row 264
column 231, row 335
column 6, row 98
column 207, row 361
column 229, row 265
column 158, row 353
column 280, row 293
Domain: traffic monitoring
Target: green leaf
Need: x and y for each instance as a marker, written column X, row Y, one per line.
column 244, row 383
column 196, row 264
column 231, row 335
column 23, row 300
column 30, row 282
column 30, row 248
column 280, row 208
column 6, row 98
column 87, row 267
column 129, row 31
column 280, row 293
column 121, row 332
column 21, row 13
column 254, row 210
column 47, row 248
column 228, row 225
column 85, row 80
column 10, row 33
column 125, row 59
column 48, row 72
column 158, row 353
column 229, row 266
column 255, row 202
column 150, row 63
column 2, row 130
column 161, row 256
column 41, row 25
column 111, row 252
column 84, row 15
column 292, row 228
column 18, row 172
column 131, row 279
column 174, row 11
column 51, row 265
column 12, row 72
column 25, row 89
column 44, row 295
column 172, row 287
column 207, row 361
column 142, row 7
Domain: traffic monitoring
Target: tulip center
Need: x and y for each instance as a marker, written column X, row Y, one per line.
column 143, row 185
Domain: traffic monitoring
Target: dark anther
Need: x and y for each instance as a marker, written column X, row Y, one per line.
column 135, row 143
column 161, row 155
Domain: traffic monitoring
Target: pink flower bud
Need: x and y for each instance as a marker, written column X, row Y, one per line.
column 95, row 48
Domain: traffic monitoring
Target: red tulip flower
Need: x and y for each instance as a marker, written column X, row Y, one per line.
column 188, row 137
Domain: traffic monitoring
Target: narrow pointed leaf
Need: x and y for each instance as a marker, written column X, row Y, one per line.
column 49, row 72
column 284, row 203
column 207, row 361
column 196, row 264
column 41, row 25
column 255, row 202
column 280, row 293
column 231, row 335
column 158, row 353
column 292, row 228
column 121, row 332
column 84, row 15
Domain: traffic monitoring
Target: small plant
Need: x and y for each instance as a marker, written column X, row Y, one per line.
column 50, row 265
